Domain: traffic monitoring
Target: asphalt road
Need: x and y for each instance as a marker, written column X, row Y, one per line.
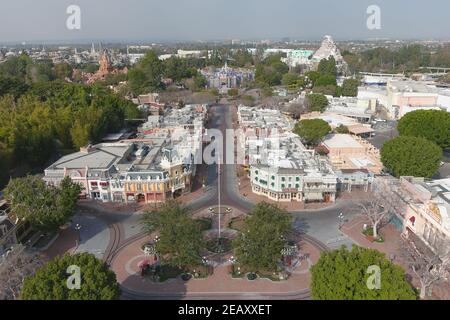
column 322, row 224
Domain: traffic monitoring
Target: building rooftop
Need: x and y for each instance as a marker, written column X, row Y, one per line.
column 101, row 156
column 341, row 141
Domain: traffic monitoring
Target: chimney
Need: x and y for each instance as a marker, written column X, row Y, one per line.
column 87, row 149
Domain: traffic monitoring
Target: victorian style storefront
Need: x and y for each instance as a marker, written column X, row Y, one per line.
column 285, row 185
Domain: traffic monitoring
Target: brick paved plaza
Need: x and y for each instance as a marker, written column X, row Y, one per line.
column 126, row 266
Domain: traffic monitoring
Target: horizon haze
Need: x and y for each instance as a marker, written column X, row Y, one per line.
column 208, row 20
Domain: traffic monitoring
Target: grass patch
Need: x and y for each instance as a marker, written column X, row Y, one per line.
column 369, row 234
column 240, row 272
column 237, row 224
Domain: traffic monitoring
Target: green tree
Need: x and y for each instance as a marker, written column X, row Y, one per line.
column 13, row 86
column 98, row 282
column 291, row 79
column 350, row 88
column 341, row 129
column 325, row 80
column 63, row 71
column 79, row 134
column 41, row 71
column 200, row 82
column 345, row 275
column 312, row 131
column 270, row 71
column 261, row 242
column 16, row 66
column 330, row 90
column 411, row 156
column 328, row 67
column 242, row 58
column 316, row 102
column 233, row 92
column 46, row 208
column 178, row 69
column 312, row 76
column 146, row 76
column 181, row 239
column 433, row 125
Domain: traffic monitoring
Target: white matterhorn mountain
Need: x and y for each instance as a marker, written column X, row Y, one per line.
column 329, row 49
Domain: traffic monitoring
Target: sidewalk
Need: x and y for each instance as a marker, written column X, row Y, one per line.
column 66, row 243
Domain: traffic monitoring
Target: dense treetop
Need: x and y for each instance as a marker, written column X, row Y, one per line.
column 316, row 102
column 180, row 238
column 40, row 120
column 45, row 207
column 98, row 282
column 433, row 125
column 259, row 246
column 270, row 71
column 411, row 156
column 343, row 275
column 312, row 131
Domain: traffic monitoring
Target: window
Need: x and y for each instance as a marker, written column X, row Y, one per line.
column 297, row 179
column 272, row 184
column 256, row 171
column 283, row 186
column 297, row 185
column 256, row 179
column 273, row 177
column 283, row 179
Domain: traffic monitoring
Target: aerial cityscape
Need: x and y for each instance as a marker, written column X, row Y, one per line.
column 185, row 163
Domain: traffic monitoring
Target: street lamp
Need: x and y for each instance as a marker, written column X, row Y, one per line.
column 341, row 219
column 78, row 228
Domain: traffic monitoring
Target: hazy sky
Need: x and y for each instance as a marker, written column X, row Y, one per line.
column 35, row 20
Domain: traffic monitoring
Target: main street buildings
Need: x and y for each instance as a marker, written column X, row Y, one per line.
column 157, row 165
column 281, row 168
column 427, row 215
